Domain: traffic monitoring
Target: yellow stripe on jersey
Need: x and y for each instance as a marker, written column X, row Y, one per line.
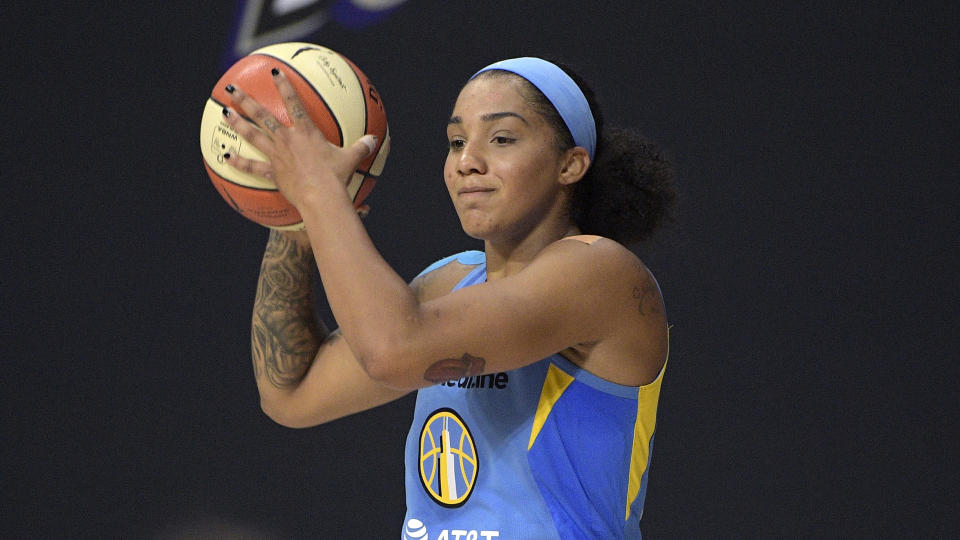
column 643, row 430
column 555, row 383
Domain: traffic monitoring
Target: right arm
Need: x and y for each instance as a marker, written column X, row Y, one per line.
column 305, row 374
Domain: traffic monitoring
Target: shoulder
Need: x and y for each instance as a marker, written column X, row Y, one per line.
column 619, row 299
column 442, row 276
column 599, row 274
column 593, row 258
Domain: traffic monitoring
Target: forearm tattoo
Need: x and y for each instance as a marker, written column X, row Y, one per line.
column 286, row 331
column 454, row 368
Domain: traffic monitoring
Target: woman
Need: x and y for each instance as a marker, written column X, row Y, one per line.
column 538, row 361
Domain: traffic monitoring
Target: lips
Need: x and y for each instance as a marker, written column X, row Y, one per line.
column 474, row 189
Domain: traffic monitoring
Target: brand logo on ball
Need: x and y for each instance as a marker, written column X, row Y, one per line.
column 448, row 458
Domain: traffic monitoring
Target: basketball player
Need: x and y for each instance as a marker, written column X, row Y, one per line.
column 538, row 361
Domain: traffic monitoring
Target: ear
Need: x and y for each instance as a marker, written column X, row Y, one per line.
column 575, row 163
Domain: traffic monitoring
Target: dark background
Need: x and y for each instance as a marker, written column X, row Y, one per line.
column 809, row 276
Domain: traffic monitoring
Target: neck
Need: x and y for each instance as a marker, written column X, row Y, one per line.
column 505, row 258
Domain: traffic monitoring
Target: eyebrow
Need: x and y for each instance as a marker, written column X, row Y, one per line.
column 489, row 117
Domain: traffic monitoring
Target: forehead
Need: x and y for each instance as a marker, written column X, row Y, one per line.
column 487, row 95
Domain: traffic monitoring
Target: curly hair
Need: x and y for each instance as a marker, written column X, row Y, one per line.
column 629, row 191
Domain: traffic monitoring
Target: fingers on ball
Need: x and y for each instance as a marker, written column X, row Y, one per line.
column 245, row 129
column 254, row 110
column 249, row 166
column 291, row 99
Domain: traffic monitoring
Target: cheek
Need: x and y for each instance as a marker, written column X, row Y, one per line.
column 526, row 176
column 449, row 180
column 449, row 167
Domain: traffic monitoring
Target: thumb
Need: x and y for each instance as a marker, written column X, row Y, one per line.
column 364, row 147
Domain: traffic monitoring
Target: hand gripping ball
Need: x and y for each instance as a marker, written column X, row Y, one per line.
column 340, row 99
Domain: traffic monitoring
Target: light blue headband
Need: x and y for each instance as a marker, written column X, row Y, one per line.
column 562, row 92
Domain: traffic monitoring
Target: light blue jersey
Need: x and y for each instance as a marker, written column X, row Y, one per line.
column 547, row 451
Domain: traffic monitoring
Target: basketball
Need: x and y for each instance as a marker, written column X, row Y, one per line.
column 340, row 99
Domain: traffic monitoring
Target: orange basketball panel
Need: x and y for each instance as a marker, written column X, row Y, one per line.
column 264, row 206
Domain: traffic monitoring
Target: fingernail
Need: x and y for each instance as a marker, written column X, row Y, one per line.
column 226, row 155
column 226, row 111
column 275, row 72
column 230, row 88
column 371, row 142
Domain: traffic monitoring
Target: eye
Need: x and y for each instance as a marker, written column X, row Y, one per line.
column 503, row 139
column 456, row 144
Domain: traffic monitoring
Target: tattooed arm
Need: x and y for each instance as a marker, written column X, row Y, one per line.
column 305, row 374
column 286, row 331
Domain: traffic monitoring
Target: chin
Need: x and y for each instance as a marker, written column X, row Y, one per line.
column 478, row 232
column 474, row 232
column 477, row 225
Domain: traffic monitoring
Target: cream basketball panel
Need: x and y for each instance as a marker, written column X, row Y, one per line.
column 378, row 163
column 294, row 227
column 353, row 186
column 217, row 137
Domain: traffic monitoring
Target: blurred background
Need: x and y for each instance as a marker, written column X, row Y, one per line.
column 809, row 276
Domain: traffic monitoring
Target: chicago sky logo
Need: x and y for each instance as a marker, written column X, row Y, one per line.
column 448, row 458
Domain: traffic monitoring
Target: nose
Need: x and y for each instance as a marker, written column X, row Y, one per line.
column 471, row 160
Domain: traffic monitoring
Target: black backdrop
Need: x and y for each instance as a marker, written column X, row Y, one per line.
column 809, row 277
